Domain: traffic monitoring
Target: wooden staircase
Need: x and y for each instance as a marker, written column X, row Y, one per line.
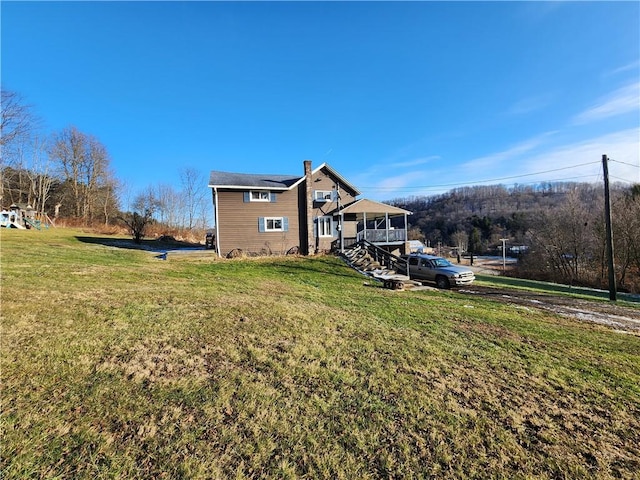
column 376, row 262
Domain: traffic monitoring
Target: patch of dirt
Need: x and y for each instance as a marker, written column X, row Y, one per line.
column 620, row 318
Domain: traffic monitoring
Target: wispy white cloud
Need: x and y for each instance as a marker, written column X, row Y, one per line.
column 575, row 161
column 625, row 68
column 377, row 174
column 533, row 160
column 623, row 100
column 622, row 146
column 398, row 182
column 494, row 161
column 415, row 162
column 537, row 11
column 529, row 104
column 578, row 160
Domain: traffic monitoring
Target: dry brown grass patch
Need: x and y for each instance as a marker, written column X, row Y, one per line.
column 156, row 362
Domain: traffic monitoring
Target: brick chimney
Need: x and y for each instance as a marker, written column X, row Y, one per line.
column 308, row 203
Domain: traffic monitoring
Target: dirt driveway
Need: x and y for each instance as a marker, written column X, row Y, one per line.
column 621, row 318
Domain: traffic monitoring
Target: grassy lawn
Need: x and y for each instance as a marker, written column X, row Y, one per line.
column 116, row 364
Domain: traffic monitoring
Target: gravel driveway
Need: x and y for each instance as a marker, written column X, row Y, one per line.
column 621, row 318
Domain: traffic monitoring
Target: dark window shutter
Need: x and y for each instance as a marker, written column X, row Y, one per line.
column 273, row 197
column 246, row 197
column 261, row 224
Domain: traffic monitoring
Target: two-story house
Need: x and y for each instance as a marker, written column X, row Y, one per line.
column 318, row 211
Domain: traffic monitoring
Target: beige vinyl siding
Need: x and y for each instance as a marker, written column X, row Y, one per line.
column 350, row 229
column 322, row 181
column 239, row 222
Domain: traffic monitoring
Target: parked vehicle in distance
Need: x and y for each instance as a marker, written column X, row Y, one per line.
column 210, row 240
column 429, row 268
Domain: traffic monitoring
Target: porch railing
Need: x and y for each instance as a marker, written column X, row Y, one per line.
column 382, row 236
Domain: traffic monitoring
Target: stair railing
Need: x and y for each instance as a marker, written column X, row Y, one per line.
column 383, row 257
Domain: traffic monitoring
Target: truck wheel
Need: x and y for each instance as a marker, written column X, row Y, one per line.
column 442, row 282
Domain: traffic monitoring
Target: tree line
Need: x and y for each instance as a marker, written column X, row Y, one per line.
column 560, row 225
column 68, row 175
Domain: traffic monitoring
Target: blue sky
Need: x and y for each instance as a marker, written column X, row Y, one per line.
column 402, row 98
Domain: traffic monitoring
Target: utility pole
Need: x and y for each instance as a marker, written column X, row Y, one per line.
column 504, row 255
column 607, row 213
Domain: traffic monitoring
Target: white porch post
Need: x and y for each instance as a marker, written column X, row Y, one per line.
column 406, row 236
column 386, row 224
column 365, row 226
column 341, row 232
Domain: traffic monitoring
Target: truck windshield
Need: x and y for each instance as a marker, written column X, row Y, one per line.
column 441, row 262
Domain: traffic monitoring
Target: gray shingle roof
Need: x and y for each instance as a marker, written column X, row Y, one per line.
column 269, row 181
column 228, row 179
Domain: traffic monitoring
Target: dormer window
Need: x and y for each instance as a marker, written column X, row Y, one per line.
column 323, row 195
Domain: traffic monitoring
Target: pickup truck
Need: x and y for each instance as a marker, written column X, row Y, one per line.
column 429, row 268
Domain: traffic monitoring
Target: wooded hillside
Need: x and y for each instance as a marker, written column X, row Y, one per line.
column 562, row 224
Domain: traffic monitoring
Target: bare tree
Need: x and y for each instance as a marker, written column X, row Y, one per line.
column 29, row 179
column 461, row 240
column 17, row 120
column 170, row 205
column 95, row 175
column 41, row 178
column 84, row 165
column 146, row 200
column 137, row 221
column 107, row 198
column 626, row 224
column 17, row 123
column 69, row 150
column 565, row 241
column 194, row 194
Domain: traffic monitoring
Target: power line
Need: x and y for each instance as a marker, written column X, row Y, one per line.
column 423, row 187
column 626, row 180
column 438, row 187
column 624, row 163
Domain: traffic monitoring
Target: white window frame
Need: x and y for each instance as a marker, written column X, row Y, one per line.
column 263, row 196
column 272, row 220
column 323, row 195
column 327, row 223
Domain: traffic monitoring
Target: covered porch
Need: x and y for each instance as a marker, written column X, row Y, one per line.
column 378, row 223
